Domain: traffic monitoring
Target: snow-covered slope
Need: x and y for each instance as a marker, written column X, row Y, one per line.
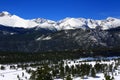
column 44, row 23
column 72, row 23
column 110, row 23
column 7, row 19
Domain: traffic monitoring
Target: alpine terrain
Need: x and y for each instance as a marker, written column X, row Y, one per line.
column 35, row 35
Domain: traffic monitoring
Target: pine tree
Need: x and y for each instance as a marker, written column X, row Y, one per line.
column 42, row 73
column 98, row 67
column 68, row 77
column 93, row 74
column 62, row 71
column 2, row 68
column 73, row 70
column 67, row 69
column 107, row 77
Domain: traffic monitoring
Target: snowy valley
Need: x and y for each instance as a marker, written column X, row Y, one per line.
column 68, row 49
column 111, row 69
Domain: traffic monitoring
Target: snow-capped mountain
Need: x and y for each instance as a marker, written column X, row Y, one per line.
column 72, row 23
column 44, row 23
column 109, row 23
column 7, row 19
column 34, row 35
column 75, row 23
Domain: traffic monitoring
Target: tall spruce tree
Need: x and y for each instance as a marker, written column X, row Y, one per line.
column 93, row 74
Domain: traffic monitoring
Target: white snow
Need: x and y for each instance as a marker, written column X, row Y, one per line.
column 15, row 21
column 43, row 38
column 47, row 38
column 90, row 60
column 12, row 74
column 46, row 24
column 7, row 19
column 39, row 38
column 78, row 62
column 92, row 23
column 71, row 23
column 100, row 76
column 110, row 23
column 75, row 23
column 5, row 13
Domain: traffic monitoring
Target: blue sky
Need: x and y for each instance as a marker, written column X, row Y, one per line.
column 59, row 9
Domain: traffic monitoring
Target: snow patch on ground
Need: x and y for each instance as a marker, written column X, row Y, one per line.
column 12, row 74
column 47, row 38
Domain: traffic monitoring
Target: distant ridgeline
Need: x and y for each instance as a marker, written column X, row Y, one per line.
column 85, row 36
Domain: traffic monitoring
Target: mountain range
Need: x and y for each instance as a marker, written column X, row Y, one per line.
column 34, row 35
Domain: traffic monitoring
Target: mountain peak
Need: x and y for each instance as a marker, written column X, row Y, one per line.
column 40, row 20
column 7, row 19
column 5, row 13
column 111, row 18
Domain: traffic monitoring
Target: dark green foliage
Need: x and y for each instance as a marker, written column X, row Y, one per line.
column 85, row 69
column 93, row 73
column 62, row 73
column 12, row 67
column 68, row 77
column 73, row 70
column 42, row 73
column 98, row 67
column 111, row 68
column 67, row 69
column 55, row 70
column 107, row 77
column 50, row 57
column 50, row 72
column 2, row 68
column 10, row 57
